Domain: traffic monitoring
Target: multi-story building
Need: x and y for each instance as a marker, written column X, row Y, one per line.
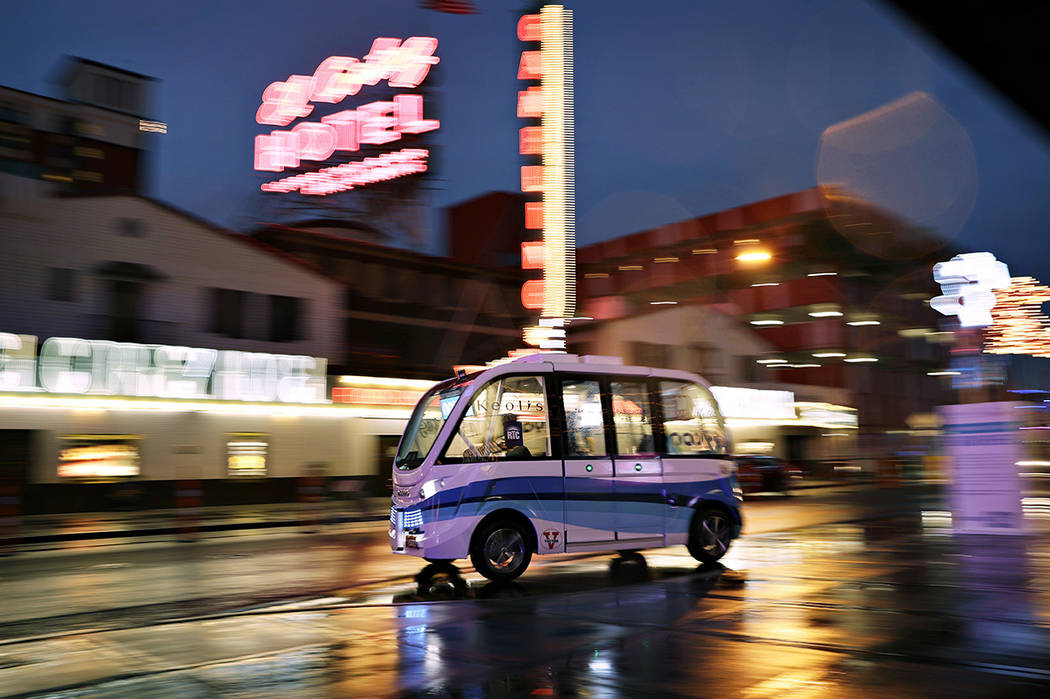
column 836, row 291
column 91, row 141
column 407, row 314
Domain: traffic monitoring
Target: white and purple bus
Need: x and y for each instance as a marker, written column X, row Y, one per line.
column 555, row 453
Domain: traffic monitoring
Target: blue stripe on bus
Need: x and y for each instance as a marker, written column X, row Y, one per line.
column 604, row 498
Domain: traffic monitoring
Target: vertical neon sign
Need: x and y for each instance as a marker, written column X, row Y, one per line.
column 552, row 141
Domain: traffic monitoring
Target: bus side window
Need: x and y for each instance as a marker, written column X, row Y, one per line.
column 691, row 420
column 584, row 426
column 507, row 420
column 632, row 418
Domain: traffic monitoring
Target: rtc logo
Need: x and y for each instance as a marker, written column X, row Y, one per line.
column 551, row 537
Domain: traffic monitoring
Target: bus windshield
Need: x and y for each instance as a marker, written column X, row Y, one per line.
column 427, row 420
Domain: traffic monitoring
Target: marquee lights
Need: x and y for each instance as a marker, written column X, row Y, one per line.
column 552, row 141
column 1019, row 325
column 401, row 65
column 70, row 365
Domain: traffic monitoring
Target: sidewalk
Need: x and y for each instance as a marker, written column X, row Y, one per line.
column 75, row 526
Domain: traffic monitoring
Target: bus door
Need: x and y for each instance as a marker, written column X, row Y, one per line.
column 589, row 506
column 637, row 468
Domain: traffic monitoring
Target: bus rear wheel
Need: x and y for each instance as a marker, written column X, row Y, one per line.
column 500, row 551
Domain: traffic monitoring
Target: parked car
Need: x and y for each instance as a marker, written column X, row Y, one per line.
column 757, row 473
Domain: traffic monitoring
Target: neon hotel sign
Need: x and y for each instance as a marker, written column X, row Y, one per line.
column 70, row 365
column 401, row 64
column 551, row 142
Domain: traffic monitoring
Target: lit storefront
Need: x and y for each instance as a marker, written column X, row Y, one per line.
column 248, row 424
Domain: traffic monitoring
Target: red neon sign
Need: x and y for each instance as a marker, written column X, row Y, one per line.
column 341, row 178
column 532, row 294
column 532, row 255
column 401, row 65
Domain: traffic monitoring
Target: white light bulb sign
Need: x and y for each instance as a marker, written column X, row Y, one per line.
column 968, row 282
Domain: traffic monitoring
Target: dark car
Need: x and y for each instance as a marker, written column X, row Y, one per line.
column 758, row 473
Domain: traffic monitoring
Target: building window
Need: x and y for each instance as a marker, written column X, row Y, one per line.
column 246, row 454
column 285, row 318
column 131, row 227
column 61, row 284
column 227, row 312
column 99, row 456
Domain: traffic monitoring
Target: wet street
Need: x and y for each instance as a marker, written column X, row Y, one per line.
column 841, row 592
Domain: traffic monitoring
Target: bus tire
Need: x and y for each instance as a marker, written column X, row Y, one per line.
column 500, row 550
column 710, row 533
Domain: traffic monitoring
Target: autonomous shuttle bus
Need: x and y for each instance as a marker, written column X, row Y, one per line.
column 554, row 453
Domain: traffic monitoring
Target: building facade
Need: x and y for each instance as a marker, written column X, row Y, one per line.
column 406, row 314
column 838, row 303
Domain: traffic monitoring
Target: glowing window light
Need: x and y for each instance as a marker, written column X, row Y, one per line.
column 664, row 260
column 857, row 323
column 532, row 255
column 630, row 268
column 663, row 303
column 804, row 366
column 747, row 241
column 766, row 284
column 859, row 360
column 98, row 456
column 822, row 274
column 596, row 275
column 825, row 314
column 772, row 361
column 768, row 321
column 944, row 373
column 754, row 256
column 1019, row 325
column 823, row 355
column 152, row 126
column 246, row 455
column 705, row 251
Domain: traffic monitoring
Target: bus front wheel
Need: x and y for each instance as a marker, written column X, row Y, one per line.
column 710, row 534
column 500, row 551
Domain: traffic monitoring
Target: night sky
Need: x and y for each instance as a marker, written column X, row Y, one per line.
column 682, row 107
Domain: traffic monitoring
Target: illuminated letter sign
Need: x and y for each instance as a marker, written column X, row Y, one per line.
column 101, row 367
column 552, row 141
column 401, row 65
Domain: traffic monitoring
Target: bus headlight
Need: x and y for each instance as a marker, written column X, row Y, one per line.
column 428, row 490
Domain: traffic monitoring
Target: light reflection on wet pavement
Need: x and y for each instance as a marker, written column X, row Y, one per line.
column 881, row 608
